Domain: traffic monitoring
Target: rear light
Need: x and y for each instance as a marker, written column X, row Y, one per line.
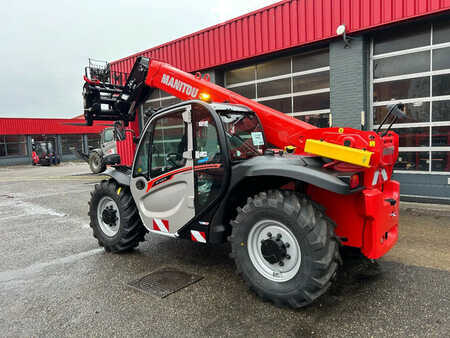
column 354, row 181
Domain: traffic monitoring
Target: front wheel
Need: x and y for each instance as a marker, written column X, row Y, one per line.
column 96, row 163
column 285, row 248
column 114, row 217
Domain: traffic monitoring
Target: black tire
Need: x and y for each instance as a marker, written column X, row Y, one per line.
column 312, row 229
column 131, row 231
column 96, row 163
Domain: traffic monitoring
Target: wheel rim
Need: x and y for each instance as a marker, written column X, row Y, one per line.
column 269, row 234
column 108, row 216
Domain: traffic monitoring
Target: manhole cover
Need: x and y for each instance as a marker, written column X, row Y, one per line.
column 164, row 282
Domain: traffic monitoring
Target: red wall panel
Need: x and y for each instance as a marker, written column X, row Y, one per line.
column 327, row 22
column 126, row 149
column 30, row 126
column 251, row 35
column 283, row 25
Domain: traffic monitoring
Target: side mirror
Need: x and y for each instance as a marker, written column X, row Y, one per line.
column 111, row 159
column 397, row 110
column 119, row 131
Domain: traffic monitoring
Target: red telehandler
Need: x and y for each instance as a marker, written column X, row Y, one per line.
column 206, row 170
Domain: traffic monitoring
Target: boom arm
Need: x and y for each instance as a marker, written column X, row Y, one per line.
column 362, row 148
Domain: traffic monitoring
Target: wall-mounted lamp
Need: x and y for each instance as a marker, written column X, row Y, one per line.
column 342, row 30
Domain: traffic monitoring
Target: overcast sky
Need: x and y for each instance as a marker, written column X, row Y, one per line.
column 44, row 45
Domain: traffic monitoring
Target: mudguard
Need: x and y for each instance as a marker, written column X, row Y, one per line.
column 304, row 169
column 97, row 150
column 119, row 174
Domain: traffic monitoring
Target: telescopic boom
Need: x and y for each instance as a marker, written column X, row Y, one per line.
column 362, row 148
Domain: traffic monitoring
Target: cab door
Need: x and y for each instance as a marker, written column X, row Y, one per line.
column 210, row 159
column 162, row 182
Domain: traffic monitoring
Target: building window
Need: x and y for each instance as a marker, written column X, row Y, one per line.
column 158, row 99
column 412, row 65
column 2, row 146
column 13, row 145
column 297, row 85
column 240, row 75
column 68, row 141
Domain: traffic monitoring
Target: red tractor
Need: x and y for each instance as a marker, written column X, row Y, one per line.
column 44, row 153
column 205, row 170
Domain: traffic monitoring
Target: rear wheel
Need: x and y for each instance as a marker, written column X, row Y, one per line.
column 285, row 248
column 114, row 217
column 96, row 163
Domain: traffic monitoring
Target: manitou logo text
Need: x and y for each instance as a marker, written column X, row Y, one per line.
column 180, row 86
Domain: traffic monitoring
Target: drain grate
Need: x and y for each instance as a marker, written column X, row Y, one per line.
column 164, row 282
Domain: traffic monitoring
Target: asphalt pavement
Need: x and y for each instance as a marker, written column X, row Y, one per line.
column 55, row 281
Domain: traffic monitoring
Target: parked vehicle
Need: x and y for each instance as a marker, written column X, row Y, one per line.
column 43, row 153
column 95, row 156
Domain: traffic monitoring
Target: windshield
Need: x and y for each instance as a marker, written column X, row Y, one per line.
column 244, row 134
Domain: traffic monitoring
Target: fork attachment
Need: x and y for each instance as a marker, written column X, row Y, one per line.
column 111, row 102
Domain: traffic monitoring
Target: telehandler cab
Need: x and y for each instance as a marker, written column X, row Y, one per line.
column 204, row 170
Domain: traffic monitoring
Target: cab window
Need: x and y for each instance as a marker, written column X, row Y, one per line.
column 244, row 134
column 109, row 135
column 206, row 139
column 142, row 157
column 209, row 170
column 169, row 142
